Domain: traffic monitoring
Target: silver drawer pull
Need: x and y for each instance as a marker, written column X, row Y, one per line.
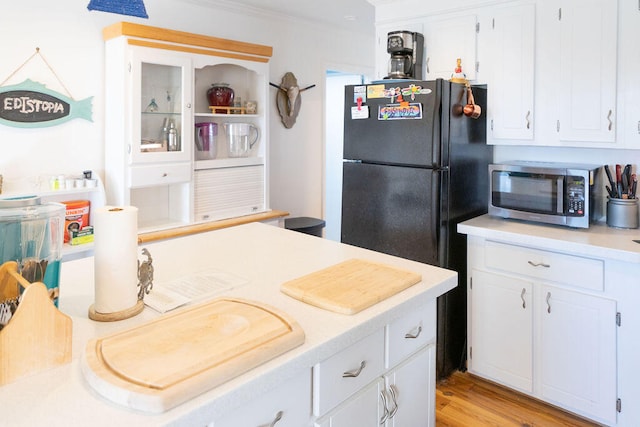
column 392, row 392
column 276, row 419
column 538, row 264
column 548, row 303
column 524, row 304
column 164, row 174
column 385, row 415
column 411, row 335
column 354, row 373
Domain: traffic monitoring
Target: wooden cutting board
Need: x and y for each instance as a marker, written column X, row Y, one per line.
column 160, row 364
column 350, row 286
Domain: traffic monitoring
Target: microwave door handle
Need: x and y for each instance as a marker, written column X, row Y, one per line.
column 560, row 193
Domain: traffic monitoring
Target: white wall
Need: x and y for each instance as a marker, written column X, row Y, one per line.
column 334, row 116
column 70, row 39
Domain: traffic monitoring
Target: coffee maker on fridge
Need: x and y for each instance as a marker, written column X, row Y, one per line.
column 406, row 49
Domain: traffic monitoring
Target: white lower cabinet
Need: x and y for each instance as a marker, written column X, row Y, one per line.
column 577, row 351
column 363, row 409
column 501, row 332
column 408, row 390
column 398, row 399
column 289, row 405
column 387, row 378
column 534, row 329
column 346, row 372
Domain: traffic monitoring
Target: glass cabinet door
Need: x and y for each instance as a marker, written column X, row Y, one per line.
column 161, row 116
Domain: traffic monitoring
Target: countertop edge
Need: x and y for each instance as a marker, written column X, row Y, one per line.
column 152, row 236
column 599, row 240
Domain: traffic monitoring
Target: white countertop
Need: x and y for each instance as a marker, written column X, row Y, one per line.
column 264, row 255
column 598, row 240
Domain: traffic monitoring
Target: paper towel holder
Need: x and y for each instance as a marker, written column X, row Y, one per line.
column 145, row 283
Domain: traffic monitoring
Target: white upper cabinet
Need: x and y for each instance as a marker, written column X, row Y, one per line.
column 448, row 39
column 161, row 95
column 551, row 68
column 587, row 73
column 508, row 69
column 628, row 68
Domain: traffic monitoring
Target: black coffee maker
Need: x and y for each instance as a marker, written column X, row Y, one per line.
column 406, row 49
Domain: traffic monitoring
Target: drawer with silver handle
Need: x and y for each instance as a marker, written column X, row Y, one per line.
column 544, row 265
column 409, row 333
column 346, row 372
column 152, row 175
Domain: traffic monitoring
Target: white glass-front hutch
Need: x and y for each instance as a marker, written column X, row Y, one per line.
column 156, row 92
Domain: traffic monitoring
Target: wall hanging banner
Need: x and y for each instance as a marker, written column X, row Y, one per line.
column 122, row 7
column 31, row 105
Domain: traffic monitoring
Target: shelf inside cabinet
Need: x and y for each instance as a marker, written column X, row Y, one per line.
column 226, row 116
column 228, row 162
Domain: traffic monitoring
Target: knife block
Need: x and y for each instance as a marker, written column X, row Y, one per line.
column 38, row 335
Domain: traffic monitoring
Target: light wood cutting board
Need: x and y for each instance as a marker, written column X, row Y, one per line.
column 350, row 286
column 160, row 364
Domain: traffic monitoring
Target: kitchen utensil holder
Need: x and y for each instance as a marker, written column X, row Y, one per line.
column 622, row 213
column 38, row 335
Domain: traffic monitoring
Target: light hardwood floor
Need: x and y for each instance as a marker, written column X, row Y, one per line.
column 463, row 400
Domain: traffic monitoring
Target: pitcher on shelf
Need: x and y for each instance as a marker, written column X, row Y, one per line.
column 238, row 138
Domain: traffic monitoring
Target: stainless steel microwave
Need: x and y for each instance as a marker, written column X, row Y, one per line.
column 547, row 192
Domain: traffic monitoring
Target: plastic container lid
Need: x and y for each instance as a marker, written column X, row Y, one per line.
column 28, row 207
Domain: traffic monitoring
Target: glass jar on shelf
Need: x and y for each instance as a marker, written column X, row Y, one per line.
column 220, row 95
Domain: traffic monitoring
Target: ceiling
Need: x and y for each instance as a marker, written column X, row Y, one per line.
column 356, row 15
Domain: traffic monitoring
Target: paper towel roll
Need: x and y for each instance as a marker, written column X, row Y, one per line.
column 115, row 258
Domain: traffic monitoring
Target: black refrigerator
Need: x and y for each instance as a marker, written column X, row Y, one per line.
column 414, row 166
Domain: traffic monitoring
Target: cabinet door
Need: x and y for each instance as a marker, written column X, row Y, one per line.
column 577, row 352
column 629, row 65
column 510, row 59
column 410, row 391
column 228, row 192
column 445, row 41
column 363, row 409
column 587, row 59
column 501, row 329
column 160, row 117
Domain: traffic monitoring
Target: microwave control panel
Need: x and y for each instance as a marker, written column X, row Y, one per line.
column 575, row 195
